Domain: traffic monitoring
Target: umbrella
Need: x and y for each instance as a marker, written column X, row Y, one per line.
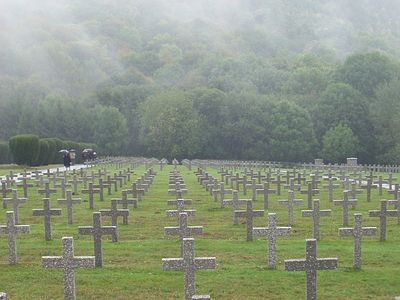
column 87, row 150
column 63, row 151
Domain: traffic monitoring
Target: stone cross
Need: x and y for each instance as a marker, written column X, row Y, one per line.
column 69, row 202
column 97, row 231
column 180, row 208
column 290, row 203
column 383, row 214
column 271, row 232
column 47, row 212
column 395, row 191
column 69, row 263
column 345, row 203
column 330, row 186
column 265, row 191
column 47, row 190
column 111, row 182
column 189, row 263
column 369, row 186
column 4, row 189
column 136, row 192
column 357, row 233
column 390, row 180
column 249, row 214
column 12, row 229
column 91, row 191
column 316, row 214
column 25, row 186
column 396, row 204
column 235, row 202
column 15, row 201
column 310, row 193
column 278, row 183
column 354, row 191
column 101, row 186
column 183, row 230
column 380, row 183
column 222, row 192
column 114, row 213
column 125, row 201
column 63, row 185
column 74, row 182
column 310, row 265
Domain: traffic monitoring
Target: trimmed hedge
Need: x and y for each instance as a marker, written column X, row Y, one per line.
column 44, row 152
column 5, row 154
column 25, row 149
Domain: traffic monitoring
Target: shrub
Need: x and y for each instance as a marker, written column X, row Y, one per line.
column 25, row 149
column 5, row 154
column 44, row 152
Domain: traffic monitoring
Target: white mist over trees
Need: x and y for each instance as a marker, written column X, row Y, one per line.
column 259, row 77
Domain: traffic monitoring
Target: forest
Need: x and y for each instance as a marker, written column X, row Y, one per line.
column 275, row 80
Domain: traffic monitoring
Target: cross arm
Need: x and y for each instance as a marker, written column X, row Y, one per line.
column 85, row 230
column 83, row 262
column 374, row 213
column 327, row 263
column 203, row 263
column 52, row 262
column 346, row 232
column 325, row 212
column 295, row 264
column 23, row 228
column 173, row 264
column 369, row 230
column 260, row 231
column 306, row 213
column 280, row 231
column 3, row 229
column 175, row 213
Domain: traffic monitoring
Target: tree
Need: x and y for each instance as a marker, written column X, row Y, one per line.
column 365, row 72
column 339, row 143
column 110, row 130
column 169, row 125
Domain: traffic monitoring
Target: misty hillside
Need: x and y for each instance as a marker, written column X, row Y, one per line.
column 98, row 70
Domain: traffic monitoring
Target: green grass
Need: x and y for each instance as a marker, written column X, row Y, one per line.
column 133, row 269
column 5, row 169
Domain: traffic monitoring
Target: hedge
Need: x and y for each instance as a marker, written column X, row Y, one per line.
column 5, row 154
column 25, row 149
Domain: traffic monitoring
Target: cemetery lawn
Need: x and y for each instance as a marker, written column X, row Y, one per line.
column 132, row 267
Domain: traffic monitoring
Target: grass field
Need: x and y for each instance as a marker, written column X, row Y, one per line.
column 132, row 268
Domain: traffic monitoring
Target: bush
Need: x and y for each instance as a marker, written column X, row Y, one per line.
column 25, row 149
column 5, row 154
column 52, row 151
column 44, row 152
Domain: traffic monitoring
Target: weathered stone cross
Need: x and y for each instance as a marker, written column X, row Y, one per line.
column 316, row 214
column 114, row 213
column 47, row 190
column 15, row 201
column 310, row 265
column 310, row 193
column 69, row 202
column 271, row 232
column 265, row 191
column 91, row 191
column 383, row 214
column 12, row 229
column 357, row 233
column 47, row 212
column 189, row 264
column 290, row 203
column 249, row 214
column 25, row 186
column 68, row 262
column 235, row 202
column 345, row 203
column 125, row 201
column 97, row 231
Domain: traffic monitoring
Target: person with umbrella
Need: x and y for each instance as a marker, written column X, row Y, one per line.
column 66, row 159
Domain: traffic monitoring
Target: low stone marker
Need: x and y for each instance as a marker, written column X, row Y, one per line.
column 47, row 212
column 316, row 214
column 69, row 202
column 12, row 230
column 383, row 214
column 97, row 231
column 290, row 203
column 271, row 232
column 249, row 214
column 357, row 233
column 69, row 263
column 310, row 265
column 183, row 230
column 15, row 201
column 189, row 263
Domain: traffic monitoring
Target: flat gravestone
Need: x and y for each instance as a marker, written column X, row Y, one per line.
column 11, row 229
column 189, row 263
column 68, row 262
column 357, row 232
column 97, row 231
column 310, row 265
column 271, row 232
column 47, row 212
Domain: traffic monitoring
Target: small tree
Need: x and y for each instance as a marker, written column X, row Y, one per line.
column 338, row 143
column 25, row 149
